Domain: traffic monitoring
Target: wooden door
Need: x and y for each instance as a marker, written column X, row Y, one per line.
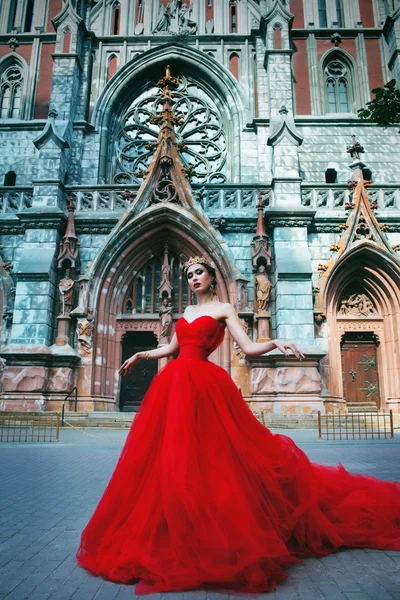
column 135, row 385
column 360, row 370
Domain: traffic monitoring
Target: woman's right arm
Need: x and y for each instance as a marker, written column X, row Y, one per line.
column 161, row 352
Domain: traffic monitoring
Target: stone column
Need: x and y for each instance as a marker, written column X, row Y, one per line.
column 287, row 217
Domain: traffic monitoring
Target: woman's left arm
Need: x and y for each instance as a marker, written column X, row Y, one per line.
column 255, row 348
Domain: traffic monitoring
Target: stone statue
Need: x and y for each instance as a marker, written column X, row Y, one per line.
column 66, row 289
column 164, row 23
column 166, row 310
column 263, row 289
column 176, row 19
column 85, row 332
column 186, row 25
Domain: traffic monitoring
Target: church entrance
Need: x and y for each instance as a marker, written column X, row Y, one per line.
column 360, row 370
column 135, row 385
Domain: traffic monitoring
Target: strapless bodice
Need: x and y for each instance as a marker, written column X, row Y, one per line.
column 199, row 338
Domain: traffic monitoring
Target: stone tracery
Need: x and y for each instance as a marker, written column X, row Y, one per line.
column 200, row 134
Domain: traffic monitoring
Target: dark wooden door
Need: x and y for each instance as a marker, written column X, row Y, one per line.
column 360, row 369
column 135, row 385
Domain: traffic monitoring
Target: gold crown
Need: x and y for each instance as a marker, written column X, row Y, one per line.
column 202, row 260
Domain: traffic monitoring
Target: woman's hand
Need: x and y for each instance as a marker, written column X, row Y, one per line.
column 286, row 348
column 128, row 365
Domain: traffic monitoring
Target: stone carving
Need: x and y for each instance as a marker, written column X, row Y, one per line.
column 164, row 23
column 85, row 332
column 363, row 231
column 306, row 197
column 134, row 325
column 262, row 289
column 185, row 23
column 66, row 289
column 389, row 198
column 166, row 310
column 237, row 349
column 357, row 304
column 356, row 149
column 219, row 223
column 175, row 18
column 287, row 380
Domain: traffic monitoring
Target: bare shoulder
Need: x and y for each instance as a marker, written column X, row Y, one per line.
column 228, row 309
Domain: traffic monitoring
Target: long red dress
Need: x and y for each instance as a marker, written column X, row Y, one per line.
column 204, row 496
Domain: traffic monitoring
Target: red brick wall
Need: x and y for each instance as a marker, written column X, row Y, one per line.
column 325, row 45
column 302, row 85
column 296, row 8
column 374, row 63
column 24, row 51
column 55, row 7
column 367, row 13
column 209, row 10
column 234, row 65
column 44, row 81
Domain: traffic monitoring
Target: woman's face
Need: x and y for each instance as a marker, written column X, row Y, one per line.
column 199, row 279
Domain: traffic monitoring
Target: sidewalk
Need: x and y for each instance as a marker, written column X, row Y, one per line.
column 49, row 491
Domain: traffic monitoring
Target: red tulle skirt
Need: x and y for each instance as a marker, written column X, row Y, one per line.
column 203, row 496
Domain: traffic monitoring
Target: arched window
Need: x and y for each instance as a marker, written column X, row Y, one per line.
column 12, row 15
column 142, row 295
column 139, row 12
column 323, row 20
column 116, row 17
column 11, row 93
column 10, row 178
column 255, row 83
column 233, row 17
column 209, row 10
column 337, row 79
column 339, row 13
column 29, row 15
column 202, row 131
column 67, row 41
column 234, row 65
column 277, row 37
column 112, row 66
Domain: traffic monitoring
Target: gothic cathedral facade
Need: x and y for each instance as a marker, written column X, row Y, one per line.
column 137, row 133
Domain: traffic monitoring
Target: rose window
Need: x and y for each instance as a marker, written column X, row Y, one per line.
column 204, row 150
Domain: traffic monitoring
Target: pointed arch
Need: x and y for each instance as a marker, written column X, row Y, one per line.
column 13, row 81
column 67, row 40
column 233, row 17
column 134, row 75
column 112, row 66
column 116, row 19
column 371, row 270
column 128, row 252
column 277, row 36
column 234, row 65
column 338, row 74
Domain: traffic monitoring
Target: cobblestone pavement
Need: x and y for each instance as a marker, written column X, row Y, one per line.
column 49, row 491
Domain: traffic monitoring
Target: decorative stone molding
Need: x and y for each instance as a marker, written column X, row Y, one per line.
column 50, row 133
column 137, row 325
column 14, row 44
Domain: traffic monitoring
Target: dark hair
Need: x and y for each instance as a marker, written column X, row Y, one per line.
column 211, row 271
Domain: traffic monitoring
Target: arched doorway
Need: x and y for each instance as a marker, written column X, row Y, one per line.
column 128, row 266
column 362, row 299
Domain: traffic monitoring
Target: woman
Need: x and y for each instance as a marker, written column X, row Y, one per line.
column 204, row 496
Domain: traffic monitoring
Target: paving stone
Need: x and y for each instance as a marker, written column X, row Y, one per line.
column 39, row 534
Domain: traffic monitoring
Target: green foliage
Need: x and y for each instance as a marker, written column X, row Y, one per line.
column 384, row 109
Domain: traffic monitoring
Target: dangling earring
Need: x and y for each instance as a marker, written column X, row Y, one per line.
column 212, row 289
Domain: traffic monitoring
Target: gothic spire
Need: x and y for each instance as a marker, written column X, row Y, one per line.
column 68, row 256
